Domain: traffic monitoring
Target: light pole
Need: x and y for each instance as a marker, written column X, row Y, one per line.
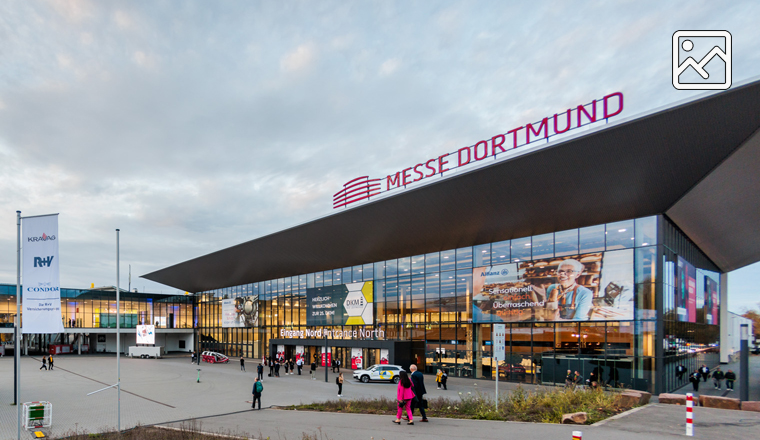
column 326, row 359
column 744, row 364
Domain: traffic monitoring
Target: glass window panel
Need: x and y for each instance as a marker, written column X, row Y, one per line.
column 432, row 262
column 380, row 269
column 448, row 260
column 620, row 235
column 336, row 277
column 392, row 307
column 591, row 239
column 646, row 231
column 405, row 298
column 356, row 273
column 404, row 266
column 566, row 243
column 347, row 275
column 543, row 246
column 379, row 301
column 368, row 272
column 310, row 280
column 448, row 294
column 319, row 279
column 481, row 255
column 646, row 264
column 418, row 298
column 391, row 268
column 521, row 249
column 418, row 264
column 500, row 252
column 464, row 258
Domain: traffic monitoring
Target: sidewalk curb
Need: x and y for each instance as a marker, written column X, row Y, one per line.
column 621, row 415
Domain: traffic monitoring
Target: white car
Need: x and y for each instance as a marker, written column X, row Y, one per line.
column 379, row 372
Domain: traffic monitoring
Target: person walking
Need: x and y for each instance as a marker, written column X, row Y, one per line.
column 730, row 378
column 680, row 371
column 579, row 382
column 694, row 379
column 271, row 367
column 44, row 363
column 705, row 372
column 50, row 363
column 718, row 378
column 339, row 381
column 285, row 364
column 569, row 379
column 277, row 369
column 438, row 378
column 258, row 387
column 337, row 364
column 444, row 379
column 418, row 380
column 313, row 369
column 299, row 365
column 404, row 396
column 292, row 367
column 260, row 372
column 332, row 364
column 242, row 363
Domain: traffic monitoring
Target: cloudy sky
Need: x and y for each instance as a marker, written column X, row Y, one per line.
column 194, row 126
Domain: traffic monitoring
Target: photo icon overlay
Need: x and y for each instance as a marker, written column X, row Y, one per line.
column 702, row 60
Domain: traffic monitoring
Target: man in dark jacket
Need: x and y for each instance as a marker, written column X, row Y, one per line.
column 258, row 387
column 694, row 379
column 276, row 369
column 418, row 382
column 313, row 370
column 718, row 378
column 730, row 378
column 680, row 371
column 260, row 372
column 705, row 372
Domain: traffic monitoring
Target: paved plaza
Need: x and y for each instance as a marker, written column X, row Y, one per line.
column 165, row 391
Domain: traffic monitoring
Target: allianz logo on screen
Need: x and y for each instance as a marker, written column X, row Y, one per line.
column 42, row 262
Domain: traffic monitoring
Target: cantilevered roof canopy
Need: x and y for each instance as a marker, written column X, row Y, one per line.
column 698, row 163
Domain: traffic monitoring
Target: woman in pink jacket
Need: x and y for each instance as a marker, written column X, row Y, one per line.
column 404, row 396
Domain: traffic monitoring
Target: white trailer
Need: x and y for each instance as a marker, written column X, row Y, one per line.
column 146, row 352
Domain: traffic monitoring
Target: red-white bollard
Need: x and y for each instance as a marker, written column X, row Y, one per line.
column 689, row 415
column 577, row 435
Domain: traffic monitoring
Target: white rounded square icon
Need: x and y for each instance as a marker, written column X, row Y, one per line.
column 702, row 60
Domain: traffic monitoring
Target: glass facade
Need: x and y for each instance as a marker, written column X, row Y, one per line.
column 428, row 299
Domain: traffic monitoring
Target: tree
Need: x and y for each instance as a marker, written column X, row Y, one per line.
column 754, row 315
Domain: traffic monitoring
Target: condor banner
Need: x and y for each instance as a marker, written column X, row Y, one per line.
column 242, row 311
column 342, row 304
column 596, row 286
column 41, row 295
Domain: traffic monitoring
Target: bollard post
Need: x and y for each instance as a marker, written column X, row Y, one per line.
column 690, row 415
column 577, row 435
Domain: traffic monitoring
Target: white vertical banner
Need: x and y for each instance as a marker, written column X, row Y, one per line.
column 41, row 307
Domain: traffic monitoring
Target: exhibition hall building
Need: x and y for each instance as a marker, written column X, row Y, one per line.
column 602, row 248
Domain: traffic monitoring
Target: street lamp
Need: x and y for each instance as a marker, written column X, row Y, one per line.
column 744, row 363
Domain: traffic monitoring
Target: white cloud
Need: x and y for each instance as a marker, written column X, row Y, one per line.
column 299, row 59
column 389, row 67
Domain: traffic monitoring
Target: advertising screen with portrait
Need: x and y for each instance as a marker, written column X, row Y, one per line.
column 588, row 287
column 342, row 304
column 242, row 311
column 146, row 334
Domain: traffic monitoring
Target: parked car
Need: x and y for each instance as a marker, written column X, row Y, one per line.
column 513, row 370
column 379, row 372
column 213, row 357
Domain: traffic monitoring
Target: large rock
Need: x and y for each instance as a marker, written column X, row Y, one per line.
column 578, row 418
column 672, row 399
column 634, row 397
column 719, row 402
column 751, row 406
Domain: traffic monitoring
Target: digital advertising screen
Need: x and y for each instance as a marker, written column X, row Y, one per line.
column 588, row 287
column 146, row 334
column 711, row 301
column 342, row 304
column 242, row 311
column 686, row 291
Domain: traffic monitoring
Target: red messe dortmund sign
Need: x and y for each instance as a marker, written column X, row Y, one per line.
column 363, row 188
